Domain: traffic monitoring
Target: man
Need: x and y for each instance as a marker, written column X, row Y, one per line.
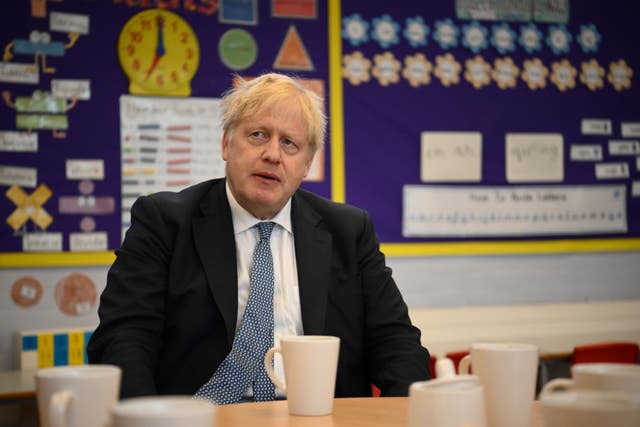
column 173, row 312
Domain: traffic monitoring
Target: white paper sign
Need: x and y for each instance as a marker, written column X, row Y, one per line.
column 635, row 188
column 534, row 157
column 18, row 175
column 87, row 242
column 596, row 127
column 42, row 242
column 69, row 22
column 440, row 211
column 67, row 88
column 18, row 141
column 85, row 169
column 612, row 170
column 11, row 72
column 630, row 129
column 451, row 156
column 624, row 148
column 586, row 152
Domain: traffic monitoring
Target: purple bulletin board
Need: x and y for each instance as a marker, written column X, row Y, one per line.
column 93, row 124
column 384, row 118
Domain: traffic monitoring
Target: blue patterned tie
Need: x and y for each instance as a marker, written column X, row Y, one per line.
column 244, row 365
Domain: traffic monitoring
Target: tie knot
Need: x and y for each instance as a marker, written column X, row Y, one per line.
column 265, row 229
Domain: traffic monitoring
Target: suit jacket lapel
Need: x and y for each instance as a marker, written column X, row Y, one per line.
column 216, row 246
column 313, row 259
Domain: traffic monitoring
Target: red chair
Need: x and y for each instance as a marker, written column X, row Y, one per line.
column 456, row 357
column 613, row 352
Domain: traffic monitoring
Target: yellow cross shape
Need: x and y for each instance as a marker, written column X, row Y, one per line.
column 29, row 207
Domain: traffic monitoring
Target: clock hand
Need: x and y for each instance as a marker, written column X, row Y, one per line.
column 160, row 50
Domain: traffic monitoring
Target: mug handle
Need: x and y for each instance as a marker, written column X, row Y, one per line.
column 268, row 366
column 557, row 384
column 463, row 366
column 59, row 408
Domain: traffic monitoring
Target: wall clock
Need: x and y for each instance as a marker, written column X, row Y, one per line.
column 159, row 52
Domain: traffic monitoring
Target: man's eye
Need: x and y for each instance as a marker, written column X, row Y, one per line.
column 289, row 146
column 257, row 137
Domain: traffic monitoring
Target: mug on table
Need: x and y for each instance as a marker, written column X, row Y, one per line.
column 164, row 411
column 507, row 372
column 603, row 376
column 310, row 366
column 77, row 396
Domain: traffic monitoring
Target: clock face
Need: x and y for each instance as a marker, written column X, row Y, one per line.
column 159, row 53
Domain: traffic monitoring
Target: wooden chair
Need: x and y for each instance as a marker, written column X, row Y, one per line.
column 613, row 352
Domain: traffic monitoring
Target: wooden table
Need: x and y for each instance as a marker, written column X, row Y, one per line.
column 351, row 412
column 16, row 385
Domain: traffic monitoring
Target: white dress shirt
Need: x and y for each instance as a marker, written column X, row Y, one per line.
column 287, row 318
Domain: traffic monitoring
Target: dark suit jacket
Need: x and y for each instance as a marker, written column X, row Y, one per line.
column 168, row 312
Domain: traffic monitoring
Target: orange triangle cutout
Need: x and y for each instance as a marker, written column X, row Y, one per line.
column 293, row 55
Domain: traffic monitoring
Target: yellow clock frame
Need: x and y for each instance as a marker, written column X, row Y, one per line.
column 159, row 52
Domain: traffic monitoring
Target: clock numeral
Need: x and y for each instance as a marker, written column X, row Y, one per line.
column 131, row 49
column 174, row 76
column 145, row 24
column 160, row 80
column 136, row 64
column 185, row 67
column 136, row 36
column 184, row 37
column 189, row 53
column 174, row 25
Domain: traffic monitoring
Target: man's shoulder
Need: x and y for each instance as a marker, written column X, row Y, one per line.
column 326, row 207
column 191, row 194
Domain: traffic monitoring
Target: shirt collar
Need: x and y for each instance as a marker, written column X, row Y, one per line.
column 243, row 220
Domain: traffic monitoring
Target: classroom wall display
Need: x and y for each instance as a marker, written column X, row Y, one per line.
column 471, row 122
column 105, row 100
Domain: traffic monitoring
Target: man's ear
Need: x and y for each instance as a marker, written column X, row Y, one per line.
column 225, row 145
column 307, row 168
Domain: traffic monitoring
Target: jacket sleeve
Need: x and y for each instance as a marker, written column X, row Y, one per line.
column 132, row 304
column 395, row 355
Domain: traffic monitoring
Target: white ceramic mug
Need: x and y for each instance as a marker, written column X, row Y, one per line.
column 164, row 411
column 603, row 376
column 589, row 408
column 77, row 396
column 310, row 366
column 448, row 401
column 507, row 372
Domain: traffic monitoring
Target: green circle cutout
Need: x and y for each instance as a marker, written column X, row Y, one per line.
column 237, row 49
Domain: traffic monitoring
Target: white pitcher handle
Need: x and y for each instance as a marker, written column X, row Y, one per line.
column 557, row 384
column 268, row 366
column 59, row 408
column 463, row 366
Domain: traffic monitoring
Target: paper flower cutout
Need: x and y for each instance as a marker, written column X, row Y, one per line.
column 592, row 74
column 559, row 39
column 474, row 36
column 385, row 31
column 503, row 38
column 447, row 69
column 588, row 38
column 620, row 75
column 530, row 38
column 477, row 72
column 355, row 68
column 386, row 68
column 563, row 75
column 534, row 74
column 355, row 29
column 446, row 34
column 416, row 31
column 505, row 73
column 417, row 70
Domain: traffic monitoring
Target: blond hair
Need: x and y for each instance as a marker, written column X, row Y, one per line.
column 249, row 97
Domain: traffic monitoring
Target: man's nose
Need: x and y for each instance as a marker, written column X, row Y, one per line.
column 272, row 149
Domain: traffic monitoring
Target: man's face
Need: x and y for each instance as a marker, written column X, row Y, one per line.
column 267, row 157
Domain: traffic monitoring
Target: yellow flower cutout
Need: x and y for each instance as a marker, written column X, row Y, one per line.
column 478, row 72
column 447, row 69
column 592, row 75
column 563, row 75
column 386, row 68
column 535, row 74
column 417, row 70
column 505, row 73
column 620, row 75
column 355, row 68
